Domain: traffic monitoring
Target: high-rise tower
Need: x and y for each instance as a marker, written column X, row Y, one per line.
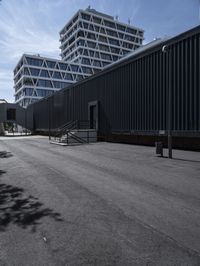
column 95, row 39
column 89, row 41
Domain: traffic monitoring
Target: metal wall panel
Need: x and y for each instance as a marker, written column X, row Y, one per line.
column 134, row 96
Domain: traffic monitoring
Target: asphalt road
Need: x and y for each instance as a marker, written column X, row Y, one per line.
column 97, row 204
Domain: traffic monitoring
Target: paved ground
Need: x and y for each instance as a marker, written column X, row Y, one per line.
column 97, row 204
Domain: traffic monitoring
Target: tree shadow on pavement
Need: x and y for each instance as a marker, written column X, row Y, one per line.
column 5, row 154
column 24, row 211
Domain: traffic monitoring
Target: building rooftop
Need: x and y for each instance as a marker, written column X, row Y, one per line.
column 3, row 101
column 91, row 10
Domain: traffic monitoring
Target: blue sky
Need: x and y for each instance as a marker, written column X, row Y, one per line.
column 32, row 26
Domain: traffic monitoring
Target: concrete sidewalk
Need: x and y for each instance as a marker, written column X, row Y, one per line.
column 97, row 204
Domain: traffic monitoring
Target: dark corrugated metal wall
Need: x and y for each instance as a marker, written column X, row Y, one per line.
column 134, row 96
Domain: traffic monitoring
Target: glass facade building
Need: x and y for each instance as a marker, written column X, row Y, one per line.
column 95, row 39
column 89, row 42
column 36, row 77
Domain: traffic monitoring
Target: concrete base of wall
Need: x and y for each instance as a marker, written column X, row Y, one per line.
column 186, row 143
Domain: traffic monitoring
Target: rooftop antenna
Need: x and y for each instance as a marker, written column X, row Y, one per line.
column 89, row 7
column 117, row 17
column 129, row 21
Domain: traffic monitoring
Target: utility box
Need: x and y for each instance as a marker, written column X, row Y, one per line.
column 159, row 148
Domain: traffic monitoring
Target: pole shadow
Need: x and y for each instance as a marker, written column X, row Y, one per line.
column 187, row 160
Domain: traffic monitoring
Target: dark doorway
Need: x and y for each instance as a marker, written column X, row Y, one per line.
column 93, row 114
column 11, row 114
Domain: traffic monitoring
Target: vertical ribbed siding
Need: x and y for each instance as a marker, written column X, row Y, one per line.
column 134, row 96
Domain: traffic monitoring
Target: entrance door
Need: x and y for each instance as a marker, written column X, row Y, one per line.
column 93, row 114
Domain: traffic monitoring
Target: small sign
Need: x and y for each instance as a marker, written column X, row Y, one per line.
column 161, row 132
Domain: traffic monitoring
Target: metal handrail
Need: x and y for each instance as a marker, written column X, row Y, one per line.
column 76, row 124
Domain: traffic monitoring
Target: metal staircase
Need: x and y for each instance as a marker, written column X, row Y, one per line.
column 75, row 132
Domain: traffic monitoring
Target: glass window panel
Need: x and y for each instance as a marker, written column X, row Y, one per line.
column 26, row 72
column 44, row 73
column 74, row 68
column 51, row 64
column 63, row 66
column 34, row 71
column 34, row 61
column 57, row 75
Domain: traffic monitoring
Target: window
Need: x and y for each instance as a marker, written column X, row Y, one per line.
column 87, row 70
column 106, row 56
column 103, row 47
column 91, row 53
column 113, row 41
column 44, row 73
column 91, row 27
column 91, row 44
column 97, row 63
column 132, row 31
column 81, row 43
column 109, row 24
column 85, row 61
column 26, row 72
column 80, row 34
column 34, row 71
column 97, row 54
column 91, row 36
column 63, row 66
column 140, row 33
column 97, row 20
column 85, row 16
column 102, row 39
column 114, row 50
column 44, row 83
column 51, row 64
column 96, row 28
column 74, row 68
column 102, row 30
column 129, row 38
column 79, row 77
column 28, row 91
column 115, row 58
column 58, row 84
column 34, row 61
column 43, row 93
column 85, row 25
column 85, row 52
column 121, row 36
column 128, row 45
column 111, row 33
column 125, row 52
column 28, row 81
column 73, row 39
column 68, row 76
column 57, row 75
column 105, row 64
column 120, row 27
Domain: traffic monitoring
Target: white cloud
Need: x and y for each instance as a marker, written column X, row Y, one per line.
column 23, row 29
column 21, row 32
column 6, row 85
